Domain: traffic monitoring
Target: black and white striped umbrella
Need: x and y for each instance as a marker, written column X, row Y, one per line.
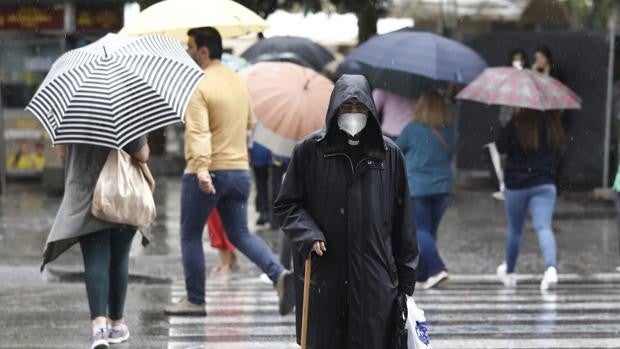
column 116, row 89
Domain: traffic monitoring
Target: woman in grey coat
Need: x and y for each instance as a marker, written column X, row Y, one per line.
column 105, row 246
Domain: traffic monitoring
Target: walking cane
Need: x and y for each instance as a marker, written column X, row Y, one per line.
column 306, row 303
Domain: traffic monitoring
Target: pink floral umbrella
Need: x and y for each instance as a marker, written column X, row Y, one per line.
column 520, row 88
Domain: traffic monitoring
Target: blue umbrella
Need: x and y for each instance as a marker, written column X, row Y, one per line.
column 423, row 57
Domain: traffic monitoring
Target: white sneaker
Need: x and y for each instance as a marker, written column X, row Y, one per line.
column 509, row 280
column 435, row 280
column 550, row 279
column 618, row 268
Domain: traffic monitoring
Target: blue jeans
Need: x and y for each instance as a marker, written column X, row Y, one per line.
column 540, row 200
column 231, row 199
column 428, row 210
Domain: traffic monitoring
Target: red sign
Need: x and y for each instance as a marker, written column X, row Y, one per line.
column 32, row 17
column 98, row 18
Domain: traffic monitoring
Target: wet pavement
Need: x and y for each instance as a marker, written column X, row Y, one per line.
column 49, row 310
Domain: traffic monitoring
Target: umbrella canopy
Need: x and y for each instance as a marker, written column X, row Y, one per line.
column 283, row 57
column 116, row 89
column 423, row 58
column 520, row 88
column 280, row 47
column 408, row 85
column 289, row 101
column 175, row 17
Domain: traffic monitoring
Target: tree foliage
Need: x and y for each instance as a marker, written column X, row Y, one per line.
column 590, row 14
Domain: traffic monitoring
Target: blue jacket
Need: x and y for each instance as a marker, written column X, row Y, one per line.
column 261, row 156
column 428, row 162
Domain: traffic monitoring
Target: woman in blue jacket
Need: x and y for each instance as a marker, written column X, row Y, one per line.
column 428, row 143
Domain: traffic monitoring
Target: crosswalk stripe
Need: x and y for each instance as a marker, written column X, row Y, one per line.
column 233, row 345
column 525, row 343
column 465, row 313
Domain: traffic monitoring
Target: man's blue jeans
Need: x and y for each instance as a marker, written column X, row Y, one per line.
column 540, row 200
column 231, row 199
column 428, row 210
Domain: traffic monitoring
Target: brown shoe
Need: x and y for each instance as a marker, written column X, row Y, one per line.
column 285, row 287
column 185, row 308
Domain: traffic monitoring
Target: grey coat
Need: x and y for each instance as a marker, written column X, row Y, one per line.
column 83, row 163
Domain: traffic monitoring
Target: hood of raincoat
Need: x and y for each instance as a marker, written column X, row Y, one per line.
column 371, row 138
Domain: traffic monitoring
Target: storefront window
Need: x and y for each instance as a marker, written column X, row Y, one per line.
column 25, row 59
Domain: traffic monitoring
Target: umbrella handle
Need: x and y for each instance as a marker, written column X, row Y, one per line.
column 306, row 303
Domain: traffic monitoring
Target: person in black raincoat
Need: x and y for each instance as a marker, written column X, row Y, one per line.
column 345, row 198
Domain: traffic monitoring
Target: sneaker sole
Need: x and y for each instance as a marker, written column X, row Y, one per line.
column 428, row 286
column 185, row 313
column 550, row 286
column 118, row 340
column 100, row 344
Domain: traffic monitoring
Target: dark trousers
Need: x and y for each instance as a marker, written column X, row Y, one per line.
column 231, row 199
column 106, row 269
column 261, row 178
column 277, row 173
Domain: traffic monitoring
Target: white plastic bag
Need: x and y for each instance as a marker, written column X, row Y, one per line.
column 499, row 172
column 417, row 329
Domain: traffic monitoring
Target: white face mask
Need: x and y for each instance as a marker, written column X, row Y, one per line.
column 352, row 123
column 517, row 64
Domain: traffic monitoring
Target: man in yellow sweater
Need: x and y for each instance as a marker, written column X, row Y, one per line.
column 217, row 120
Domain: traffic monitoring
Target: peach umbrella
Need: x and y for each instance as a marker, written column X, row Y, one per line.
column 289, row 101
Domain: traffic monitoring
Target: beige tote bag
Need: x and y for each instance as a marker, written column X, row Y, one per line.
column 124, row 192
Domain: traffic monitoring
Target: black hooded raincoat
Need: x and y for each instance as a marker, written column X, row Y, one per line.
column 362, row 211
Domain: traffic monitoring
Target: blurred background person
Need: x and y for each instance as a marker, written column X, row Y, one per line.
column 543, row 63
column 260, row 158
column 38, row 157
column 518, row 59
column 534, row 142
column 428, row 143
column 22, row 159
column 395, row 111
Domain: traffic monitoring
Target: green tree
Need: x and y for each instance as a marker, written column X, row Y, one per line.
column 368, row 11
column 592, row 14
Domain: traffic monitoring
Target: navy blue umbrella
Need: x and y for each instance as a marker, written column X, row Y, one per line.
column 399, row 60
column 404, row 84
